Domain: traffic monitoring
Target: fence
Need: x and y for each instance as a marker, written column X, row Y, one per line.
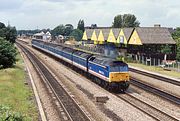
column 173, row 66
column 170, row 65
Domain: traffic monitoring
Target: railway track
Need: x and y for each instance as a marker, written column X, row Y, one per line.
column 70, row 107
column 156, row 91
column 172, row 81
column 146, row 108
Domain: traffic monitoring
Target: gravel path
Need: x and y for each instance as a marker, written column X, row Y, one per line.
column 173, row 89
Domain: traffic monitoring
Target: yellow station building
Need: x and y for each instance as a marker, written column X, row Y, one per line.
column 95, row 35
column 87, row 34
column 113, row 35
column 131, row 36
column 124, row 35
column 140, row 40
column 101, row 39
column 110, row 35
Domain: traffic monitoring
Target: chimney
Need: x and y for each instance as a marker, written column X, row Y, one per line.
column 157, row 25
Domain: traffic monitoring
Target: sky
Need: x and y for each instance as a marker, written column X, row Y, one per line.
column 43, row 14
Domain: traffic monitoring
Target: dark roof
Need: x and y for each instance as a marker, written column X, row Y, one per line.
column 116, row 32
column 128, row 32
column 171, row 30
column 155, row 35
column 89, row 27
column 105, row 33
column 97, row 32
column 89, row 33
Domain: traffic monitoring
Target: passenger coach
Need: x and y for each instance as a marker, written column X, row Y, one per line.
column 107, row 72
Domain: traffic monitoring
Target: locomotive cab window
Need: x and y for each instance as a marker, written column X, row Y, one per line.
column 92, row 58
column 118, row 66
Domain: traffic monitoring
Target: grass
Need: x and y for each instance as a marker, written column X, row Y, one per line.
column 14, row 93
column 157, row 69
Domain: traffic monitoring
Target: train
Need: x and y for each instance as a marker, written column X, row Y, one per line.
column 107, row 72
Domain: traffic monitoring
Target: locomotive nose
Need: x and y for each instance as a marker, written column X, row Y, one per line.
column 119, row 76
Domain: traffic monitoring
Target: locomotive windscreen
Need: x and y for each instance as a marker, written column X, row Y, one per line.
column 118, row 66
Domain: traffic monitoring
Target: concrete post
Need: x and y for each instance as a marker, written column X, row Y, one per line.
column 136, row 57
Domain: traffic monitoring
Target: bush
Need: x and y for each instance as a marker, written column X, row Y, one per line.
column 178, row 50
column 7, row 115
column 77, row 34
column 7, row 54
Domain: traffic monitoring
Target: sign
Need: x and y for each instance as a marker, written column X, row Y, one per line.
column 121, row 38
column 148, row 59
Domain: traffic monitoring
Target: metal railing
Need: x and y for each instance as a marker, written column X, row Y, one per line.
column 170, row 65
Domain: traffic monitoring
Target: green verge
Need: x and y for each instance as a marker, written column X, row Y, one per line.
column 15, row 94
column 156, row 69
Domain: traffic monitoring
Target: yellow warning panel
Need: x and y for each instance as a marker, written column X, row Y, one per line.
column 95, row 42
column 111, row 37
column 122, row 38
column 94, row 37
column 84, row 36
column 101, row 37
column 135, row 39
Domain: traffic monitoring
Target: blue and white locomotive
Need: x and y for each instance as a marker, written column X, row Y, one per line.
column 109, row 73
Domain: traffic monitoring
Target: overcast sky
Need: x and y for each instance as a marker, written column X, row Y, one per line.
column 33, row 14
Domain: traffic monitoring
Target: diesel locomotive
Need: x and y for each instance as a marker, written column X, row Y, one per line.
column 108, row 72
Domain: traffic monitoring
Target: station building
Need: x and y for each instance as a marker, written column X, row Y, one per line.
column 140, row 42
column 148, row 41
column 43, row 36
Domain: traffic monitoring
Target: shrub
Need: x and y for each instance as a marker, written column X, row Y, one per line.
column 7, row 54
column 7, row 115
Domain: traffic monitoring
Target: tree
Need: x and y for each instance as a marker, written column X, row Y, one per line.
column 11, row 34
column 117, row 21
column 7, row 54
column 176, row 34
column 176, row 37
column 69, row 26
column 59, row 30
column 178, row 52
column 126, row 20
column 2, row 25
column 166, row 49
column 31, row 32
column 3, row 32
column 81, row 25
column 94, row 26
column 68, row 29
column 77, row 34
